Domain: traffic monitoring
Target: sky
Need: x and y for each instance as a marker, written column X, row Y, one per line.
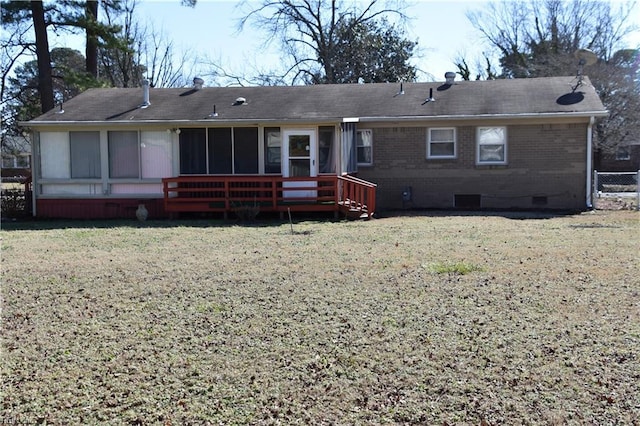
column 209, row 30
column 441, row 29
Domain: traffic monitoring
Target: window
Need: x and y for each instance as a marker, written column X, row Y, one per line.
column 15, row 161
column 22, row 161
column 124, row 155
column 85, row 155
column 193, row 151
column 364, row 147
column 220, row 151
column 272, row 147
column 326, row 158
column 8, row 161
column 492, row 145
column 245, row 150
column 55, row 154
column 156, row 154
column 441, row 143
column 623, row 153
column 134, row 154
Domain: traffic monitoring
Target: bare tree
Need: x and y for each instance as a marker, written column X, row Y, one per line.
column 11, row 49
column 538, row 38
column 150, row 53
column 164, row 66
column 309, row 30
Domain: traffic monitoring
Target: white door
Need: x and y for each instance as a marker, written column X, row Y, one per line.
column 299, row 160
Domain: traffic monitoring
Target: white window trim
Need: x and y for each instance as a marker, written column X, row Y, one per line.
column 370, row 163
column 454, row 141
column 504, row 143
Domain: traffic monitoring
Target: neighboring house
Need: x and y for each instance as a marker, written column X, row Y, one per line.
column 16, row 159
column 502, row 144
column 625, row 158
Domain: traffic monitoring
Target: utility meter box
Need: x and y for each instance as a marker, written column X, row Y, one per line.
column 406, row 194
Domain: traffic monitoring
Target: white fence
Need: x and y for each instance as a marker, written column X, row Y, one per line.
column 616, row 190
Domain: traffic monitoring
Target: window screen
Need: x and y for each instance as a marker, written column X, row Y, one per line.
column 245, row 150
column 220, row 151
column 193, row 151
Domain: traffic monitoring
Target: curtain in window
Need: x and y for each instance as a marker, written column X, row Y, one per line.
column 85, row 155
column 364, row 146
column 326, row 150
column 124, row 154
column 492, row 145
column 156, row 154
column 349, row 158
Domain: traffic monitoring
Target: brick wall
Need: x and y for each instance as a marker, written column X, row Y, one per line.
column 546, row 169
column 605, row 161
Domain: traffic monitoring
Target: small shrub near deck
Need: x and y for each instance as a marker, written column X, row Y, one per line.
column 13, row 203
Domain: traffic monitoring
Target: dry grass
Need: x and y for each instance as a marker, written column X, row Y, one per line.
column 436, row 319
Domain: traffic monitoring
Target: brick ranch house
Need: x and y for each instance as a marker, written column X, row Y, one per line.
column 503, row 144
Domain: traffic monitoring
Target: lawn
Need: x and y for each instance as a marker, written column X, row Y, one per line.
column 436, row 319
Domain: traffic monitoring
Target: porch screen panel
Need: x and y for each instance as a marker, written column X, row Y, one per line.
column 326, row 150
column 156, row 154
column 220, row 151
column 55, row 156
column 124, row 156
column 245, row 150
column 85, row 155
column 193, row 151
column 349, row 157
column 272, row 150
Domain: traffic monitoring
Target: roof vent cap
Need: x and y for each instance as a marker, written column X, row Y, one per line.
column 240, row 101
column 197, row 83
column 450, row 77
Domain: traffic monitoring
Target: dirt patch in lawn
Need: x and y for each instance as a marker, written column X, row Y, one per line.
column 428, row 319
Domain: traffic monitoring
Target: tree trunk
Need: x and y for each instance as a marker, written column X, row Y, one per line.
column 45, row 80
column 91, row 10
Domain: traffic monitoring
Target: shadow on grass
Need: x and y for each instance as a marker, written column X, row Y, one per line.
column 30, row 224
column 507, row 213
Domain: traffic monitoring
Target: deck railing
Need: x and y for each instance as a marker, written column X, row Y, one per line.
column 268, row 193
column 357, row 196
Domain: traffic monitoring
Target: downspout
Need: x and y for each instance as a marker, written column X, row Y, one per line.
column 589, row 162
column 35, row 158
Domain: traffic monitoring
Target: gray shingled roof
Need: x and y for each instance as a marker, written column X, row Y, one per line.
column 464, row 99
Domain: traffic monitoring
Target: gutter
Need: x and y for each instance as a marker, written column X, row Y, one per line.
column 323, row 120
column 585, row 114
column 180, row 123
column 589, row 192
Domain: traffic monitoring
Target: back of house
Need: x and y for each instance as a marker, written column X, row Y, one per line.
column 501, row 144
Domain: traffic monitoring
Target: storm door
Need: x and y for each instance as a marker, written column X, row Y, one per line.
column 299, row 160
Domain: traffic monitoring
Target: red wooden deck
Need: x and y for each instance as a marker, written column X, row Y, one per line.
column 346, row 194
